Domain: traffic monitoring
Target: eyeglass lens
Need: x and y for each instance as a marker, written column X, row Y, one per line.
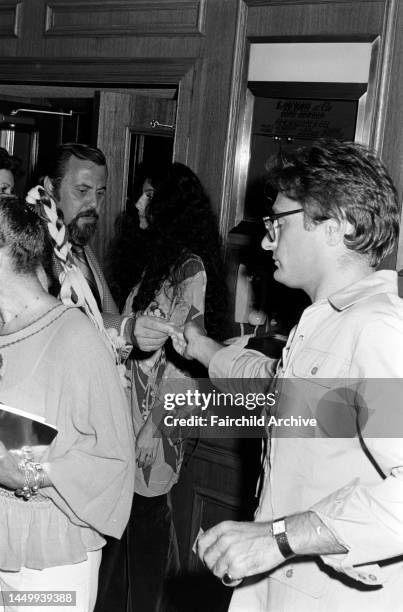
column 270, row 229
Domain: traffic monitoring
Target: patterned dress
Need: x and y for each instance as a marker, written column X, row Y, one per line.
column 165, row 372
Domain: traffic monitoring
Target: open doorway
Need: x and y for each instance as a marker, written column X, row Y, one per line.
column 34, row 121
column 31, row 130
column 127, row 124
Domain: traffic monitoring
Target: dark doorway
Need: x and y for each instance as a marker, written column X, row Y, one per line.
column 32, row 131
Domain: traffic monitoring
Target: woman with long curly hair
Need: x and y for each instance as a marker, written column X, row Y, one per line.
column 175, row 265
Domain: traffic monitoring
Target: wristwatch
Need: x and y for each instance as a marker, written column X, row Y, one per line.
column 280, row 534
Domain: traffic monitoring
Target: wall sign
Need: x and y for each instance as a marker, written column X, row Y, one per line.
column 305, row 119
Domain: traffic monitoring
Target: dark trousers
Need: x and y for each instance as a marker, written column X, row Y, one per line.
column 152, row 553
column 112, row 581
column 135, row 571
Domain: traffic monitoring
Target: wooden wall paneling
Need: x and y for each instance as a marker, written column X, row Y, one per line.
column 198, row 590
column 236, row 123
column 251, row 3
column 209, row 507
column 183, row 117
column 114, row 116
column 10, row 19
column 229, row 469
column 120, row 17
column 31, row 28
column 207, row 467
column 119, row 47
column 100, row 71
column 10, row 27
column 316, row 20
column 366, row 20
column 65, row 91
column 297, row 21
column 118, row 115
column 211, row 96
column 112, row 42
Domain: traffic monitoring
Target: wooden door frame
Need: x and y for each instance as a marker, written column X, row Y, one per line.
column 237, row 119
column 104, row 72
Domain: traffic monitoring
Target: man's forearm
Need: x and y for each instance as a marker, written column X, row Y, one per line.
column 246, row 549
column 204, row 349
column 308, row 535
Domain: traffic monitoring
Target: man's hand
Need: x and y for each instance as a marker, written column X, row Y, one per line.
column 150, row 333
column 183, row 338
column 146, row 445
column 10, row 476
column 246, row 549
column 194, row 334
column 192, row 343
column 239, row 549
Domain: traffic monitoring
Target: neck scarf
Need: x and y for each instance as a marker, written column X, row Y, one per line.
column 74, row 288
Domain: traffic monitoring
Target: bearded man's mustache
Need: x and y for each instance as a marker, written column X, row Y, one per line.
column 90, row 214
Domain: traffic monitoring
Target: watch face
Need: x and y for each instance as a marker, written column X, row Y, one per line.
column 278, row 527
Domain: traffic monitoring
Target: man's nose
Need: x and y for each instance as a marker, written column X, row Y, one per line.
column 96, row 202
column 269, row 245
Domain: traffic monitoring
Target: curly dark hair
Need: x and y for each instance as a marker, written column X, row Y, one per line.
column 181, row 223
column 343, row 180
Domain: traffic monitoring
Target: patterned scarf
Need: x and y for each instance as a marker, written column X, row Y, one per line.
column 74, row 288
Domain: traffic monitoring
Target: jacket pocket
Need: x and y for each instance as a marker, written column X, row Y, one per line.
column 320, row 367
column 320, row 380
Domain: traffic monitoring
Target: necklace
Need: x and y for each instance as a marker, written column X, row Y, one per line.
column 36, row 331
column 33, row 333
column 19, row 313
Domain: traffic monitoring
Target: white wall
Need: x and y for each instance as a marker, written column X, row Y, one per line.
column 311, row 62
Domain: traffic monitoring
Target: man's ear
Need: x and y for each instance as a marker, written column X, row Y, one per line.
column 48, row 185
column 335, row 231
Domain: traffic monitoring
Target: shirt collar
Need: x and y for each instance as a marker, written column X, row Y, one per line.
column 382, row 281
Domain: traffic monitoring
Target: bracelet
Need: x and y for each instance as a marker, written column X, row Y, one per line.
column 33, row 479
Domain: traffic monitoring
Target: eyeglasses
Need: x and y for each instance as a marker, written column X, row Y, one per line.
column 271, row 222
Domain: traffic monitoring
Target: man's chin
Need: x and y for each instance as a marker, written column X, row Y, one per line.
column 81, row 234
column 280, row 276
column 277, row 275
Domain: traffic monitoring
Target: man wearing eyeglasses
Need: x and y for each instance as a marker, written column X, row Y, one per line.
column 328, row 533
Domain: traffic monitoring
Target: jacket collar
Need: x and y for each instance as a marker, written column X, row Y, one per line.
column 382, row 281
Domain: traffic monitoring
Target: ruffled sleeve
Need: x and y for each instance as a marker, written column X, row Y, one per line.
column 91, row 463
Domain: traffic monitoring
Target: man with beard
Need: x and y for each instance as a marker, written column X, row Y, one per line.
column 76, row 180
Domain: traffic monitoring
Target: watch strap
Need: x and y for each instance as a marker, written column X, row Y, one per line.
column 280, row 534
